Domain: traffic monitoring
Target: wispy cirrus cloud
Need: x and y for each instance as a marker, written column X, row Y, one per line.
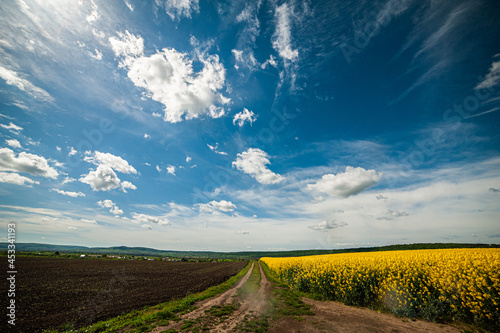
column 14, row 79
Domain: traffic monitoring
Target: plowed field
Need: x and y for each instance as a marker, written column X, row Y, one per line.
column 52, row 292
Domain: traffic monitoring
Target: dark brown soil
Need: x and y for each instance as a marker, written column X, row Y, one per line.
column 52, row 292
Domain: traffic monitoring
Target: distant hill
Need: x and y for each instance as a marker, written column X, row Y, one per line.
column 144, row 251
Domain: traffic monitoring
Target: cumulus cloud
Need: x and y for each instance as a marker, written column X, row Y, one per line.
column 12, row 78
column 127, row 185
column 492, row 78
column 27, row 163
column 72, row 151
column 324, row 226
column 102, row 179
column 244, row 116
column 158, row 168
column 171, row 169
column 147, row 136
column 253, row 162
column 147, row 227
column 282, row 38
column 214, row 206
column 113, row 208
column 168, row 78
column 68, row 180
column 350, row 182
column 179, row 8
column 215, row 149
column 143, row 218
column 13, row 127
column 115, row 162
column 13, row 143
column 68, row 193
column 15, row 178
column 188, row 159
column 89, row 221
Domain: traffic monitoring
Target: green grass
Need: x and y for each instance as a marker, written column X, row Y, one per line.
column 288, row 302
column 149, row 317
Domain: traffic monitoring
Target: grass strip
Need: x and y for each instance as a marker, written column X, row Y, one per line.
column 146, row 319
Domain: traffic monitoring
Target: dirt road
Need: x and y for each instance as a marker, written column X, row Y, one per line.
column 250, row 306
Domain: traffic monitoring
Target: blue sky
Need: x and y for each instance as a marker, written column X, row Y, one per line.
column 250, row 125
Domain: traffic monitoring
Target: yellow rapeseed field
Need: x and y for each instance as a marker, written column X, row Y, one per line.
column 450, row 284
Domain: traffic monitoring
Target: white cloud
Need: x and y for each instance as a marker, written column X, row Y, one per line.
column 253, row 162
column 494, row 190
column 179, row 8
column 13, row 143
column 188, row 159
column 492, row 78
column 244, row 116
column 72, row 151
column 14, row 178
column 246, row 58
column 143, row 218
column 213, row 206
column 129, row 5
column 171, row 169
column 350, row 182
column 97, row 55
column 115, row 162
column 12, row 78
column 69, row 194
column 158, row 168
column 146, row 226
column 271, row 61
column 168, row 78
column 127, row 185
column 147, row 136
column 327, row 225
column 68, row 180
column 58, row 148
column 27, row 163
column 243, row 232
column 113, row 208
column 215, row 149
column 102, row 179
column 282, row 38
column 13, row 127
column 94, row 15
column 89, row 221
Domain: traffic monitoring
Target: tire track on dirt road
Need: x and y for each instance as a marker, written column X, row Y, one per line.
column 252, row 305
